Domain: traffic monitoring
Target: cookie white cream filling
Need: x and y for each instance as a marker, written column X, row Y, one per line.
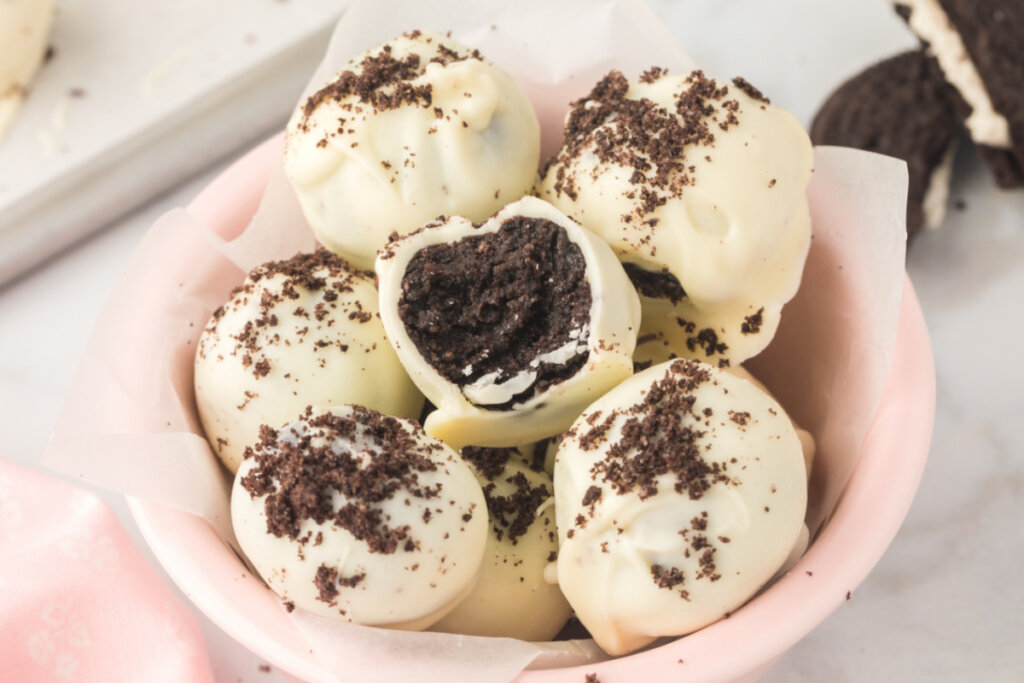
column 932, row 24
column 492, row 389
column 933, row 206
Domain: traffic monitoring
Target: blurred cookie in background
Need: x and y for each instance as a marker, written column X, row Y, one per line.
column 900, row 107
column 979, row 44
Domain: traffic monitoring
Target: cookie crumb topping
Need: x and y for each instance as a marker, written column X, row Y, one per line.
column 301, row 468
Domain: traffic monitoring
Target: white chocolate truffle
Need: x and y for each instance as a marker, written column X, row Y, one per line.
column 416, row 128
column 678, row 495
column 299, row 332
column 512, row 599
column 701, row 187
column 510, row 328
column 24, row 27
column 361, row 517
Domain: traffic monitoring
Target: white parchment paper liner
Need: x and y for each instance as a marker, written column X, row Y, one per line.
column 129, row 422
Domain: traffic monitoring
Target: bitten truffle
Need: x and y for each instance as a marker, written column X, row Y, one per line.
column 511, row 327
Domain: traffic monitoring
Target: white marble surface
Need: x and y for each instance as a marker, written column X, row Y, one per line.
column 946, row 603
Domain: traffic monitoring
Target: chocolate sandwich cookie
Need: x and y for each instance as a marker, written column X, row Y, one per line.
column 901, row 107
column 979, row 45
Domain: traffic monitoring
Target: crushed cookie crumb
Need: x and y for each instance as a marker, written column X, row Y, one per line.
column 656, row 439
column 752, row 323
column 300, row 469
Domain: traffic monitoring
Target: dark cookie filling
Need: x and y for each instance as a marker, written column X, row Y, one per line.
column 493, row 303
column 663, row 285
column 300, row 469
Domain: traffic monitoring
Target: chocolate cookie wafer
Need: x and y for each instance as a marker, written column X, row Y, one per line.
column 980, row 46
column 903, row 108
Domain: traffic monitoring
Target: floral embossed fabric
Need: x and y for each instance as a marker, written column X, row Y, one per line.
column 78, row 602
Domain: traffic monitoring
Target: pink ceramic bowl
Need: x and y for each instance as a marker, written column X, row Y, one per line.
column 865, row 521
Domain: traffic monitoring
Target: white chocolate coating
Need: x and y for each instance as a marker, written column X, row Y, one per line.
column 440, row 537
column 24, row 27
column 638, row 564
column 512, row 598
column 683, row 328
column 808, row 446
column 734, row 226
column 468, row 149
column 610, row 339
column 279, row 345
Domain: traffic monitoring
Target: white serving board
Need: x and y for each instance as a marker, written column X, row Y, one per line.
column 138, row 96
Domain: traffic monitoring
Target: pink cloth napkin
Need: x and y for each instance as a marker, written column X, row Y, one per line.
column 78, row 602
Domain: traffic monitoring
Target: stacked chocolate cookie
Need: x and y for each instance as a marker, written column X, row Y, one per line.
column 966, row 76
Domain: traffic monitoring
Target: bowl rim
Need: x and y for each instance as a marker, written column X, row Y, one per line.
column 892, row 457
